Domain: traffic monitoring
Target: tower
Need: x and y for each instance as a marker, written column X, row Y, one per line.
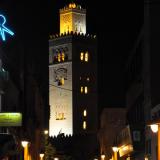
column 72, row 75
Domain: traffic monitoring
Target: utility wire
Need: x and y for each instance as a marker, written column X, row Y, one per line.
column 60, row 87
column 78, row 91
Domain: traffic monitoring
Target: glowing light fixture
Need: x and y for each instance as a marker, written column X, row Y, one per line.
column 154, row 128
column 115, row 149
column 24, row 143
column 45, row 132
column 103, row 157
column 3, row 28
column 25, row 146
column 41, row 156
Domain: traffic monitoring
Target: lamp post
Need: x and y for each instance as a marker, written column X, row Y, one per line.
column 103, row 156
column 41, row 155
column 155, row 127
column 25, row 146
column 115, row 150
column 46, row 132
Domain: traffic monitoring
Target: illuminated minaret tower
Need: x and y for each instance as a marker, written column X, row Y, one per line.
column 72, row 75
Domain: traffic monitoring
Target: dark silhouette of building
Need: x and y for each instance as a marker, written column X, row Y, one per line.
column 23, row 58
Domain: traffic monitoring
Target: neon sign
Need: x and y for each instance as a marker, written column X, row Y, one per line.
column 3, row 28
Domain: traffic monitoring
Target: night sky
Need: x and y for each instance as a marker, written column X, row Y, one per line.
column 116, row 25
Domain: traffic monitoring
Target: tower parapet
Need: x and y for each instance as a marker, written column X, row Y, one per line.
column 72, row 34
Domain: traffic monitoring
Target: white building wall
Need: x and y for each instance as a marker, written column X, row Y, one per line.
column 60, row 99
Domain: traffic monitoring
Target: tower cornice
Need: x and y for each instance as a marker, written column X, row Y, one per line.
column 75, row 34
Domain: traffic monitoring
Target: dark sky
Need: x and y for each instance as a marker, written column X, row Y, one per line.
column 116, row 26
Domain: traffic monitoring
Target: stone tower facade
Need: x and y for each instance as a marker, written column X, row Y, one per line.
column 72, row 75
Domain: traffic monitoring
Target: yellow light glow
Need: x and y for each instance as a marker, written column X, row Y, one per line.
column 59, row 57
column 62, row 81
column 86, row 57
column 115, row 149
column 41, row 155
column 45, row 132
column 85, row 113
column 81, row 56
column 146, row 158
column 63, row 56
column 86, row 90
column 73, row 5
column 70, row 5
column 56, row 158
column 154, row 127
column 84, row 125
column 103, row 156
column 81, row 89
column 24, row 143
column 125, row 149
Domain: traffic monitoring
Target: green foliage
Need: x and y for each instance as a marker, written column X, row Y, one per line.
column 49, row 152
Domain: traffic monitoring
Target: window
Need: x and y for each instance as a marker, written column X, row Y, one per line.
column 81, row 56
column 85, row 113
column 63, row 56
column 81, row 89
column 60, row 116
column 84, row 125
column 86, row 57
column 85, row 90
column 88, row 79
column 61, row 82
column 59, row 57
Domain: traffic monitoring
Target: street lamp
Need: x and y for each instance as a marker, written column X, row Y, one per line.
column 41, row 155
column 115, row 150
column 103, row 156
column 155, row 127
column 25, row 146
column 45, row 132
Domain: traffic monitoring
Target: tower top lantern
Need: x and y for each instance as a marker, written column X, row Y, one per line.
column 72, row 19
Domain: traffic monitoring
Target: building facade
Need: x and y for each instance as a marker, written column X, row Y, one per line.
column 72, row 75
column 112, row 121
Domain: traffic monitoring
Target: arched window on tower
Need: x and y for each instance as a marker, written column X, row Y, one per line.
column 86, row 57
column 81, row 56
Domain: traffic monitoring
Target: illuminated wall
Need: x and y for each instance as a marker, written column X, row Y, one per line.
column 60, row 99
column 73, row 18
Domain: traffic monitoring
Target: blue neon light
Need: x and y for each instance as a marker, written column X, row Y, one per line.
column 4, row 29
